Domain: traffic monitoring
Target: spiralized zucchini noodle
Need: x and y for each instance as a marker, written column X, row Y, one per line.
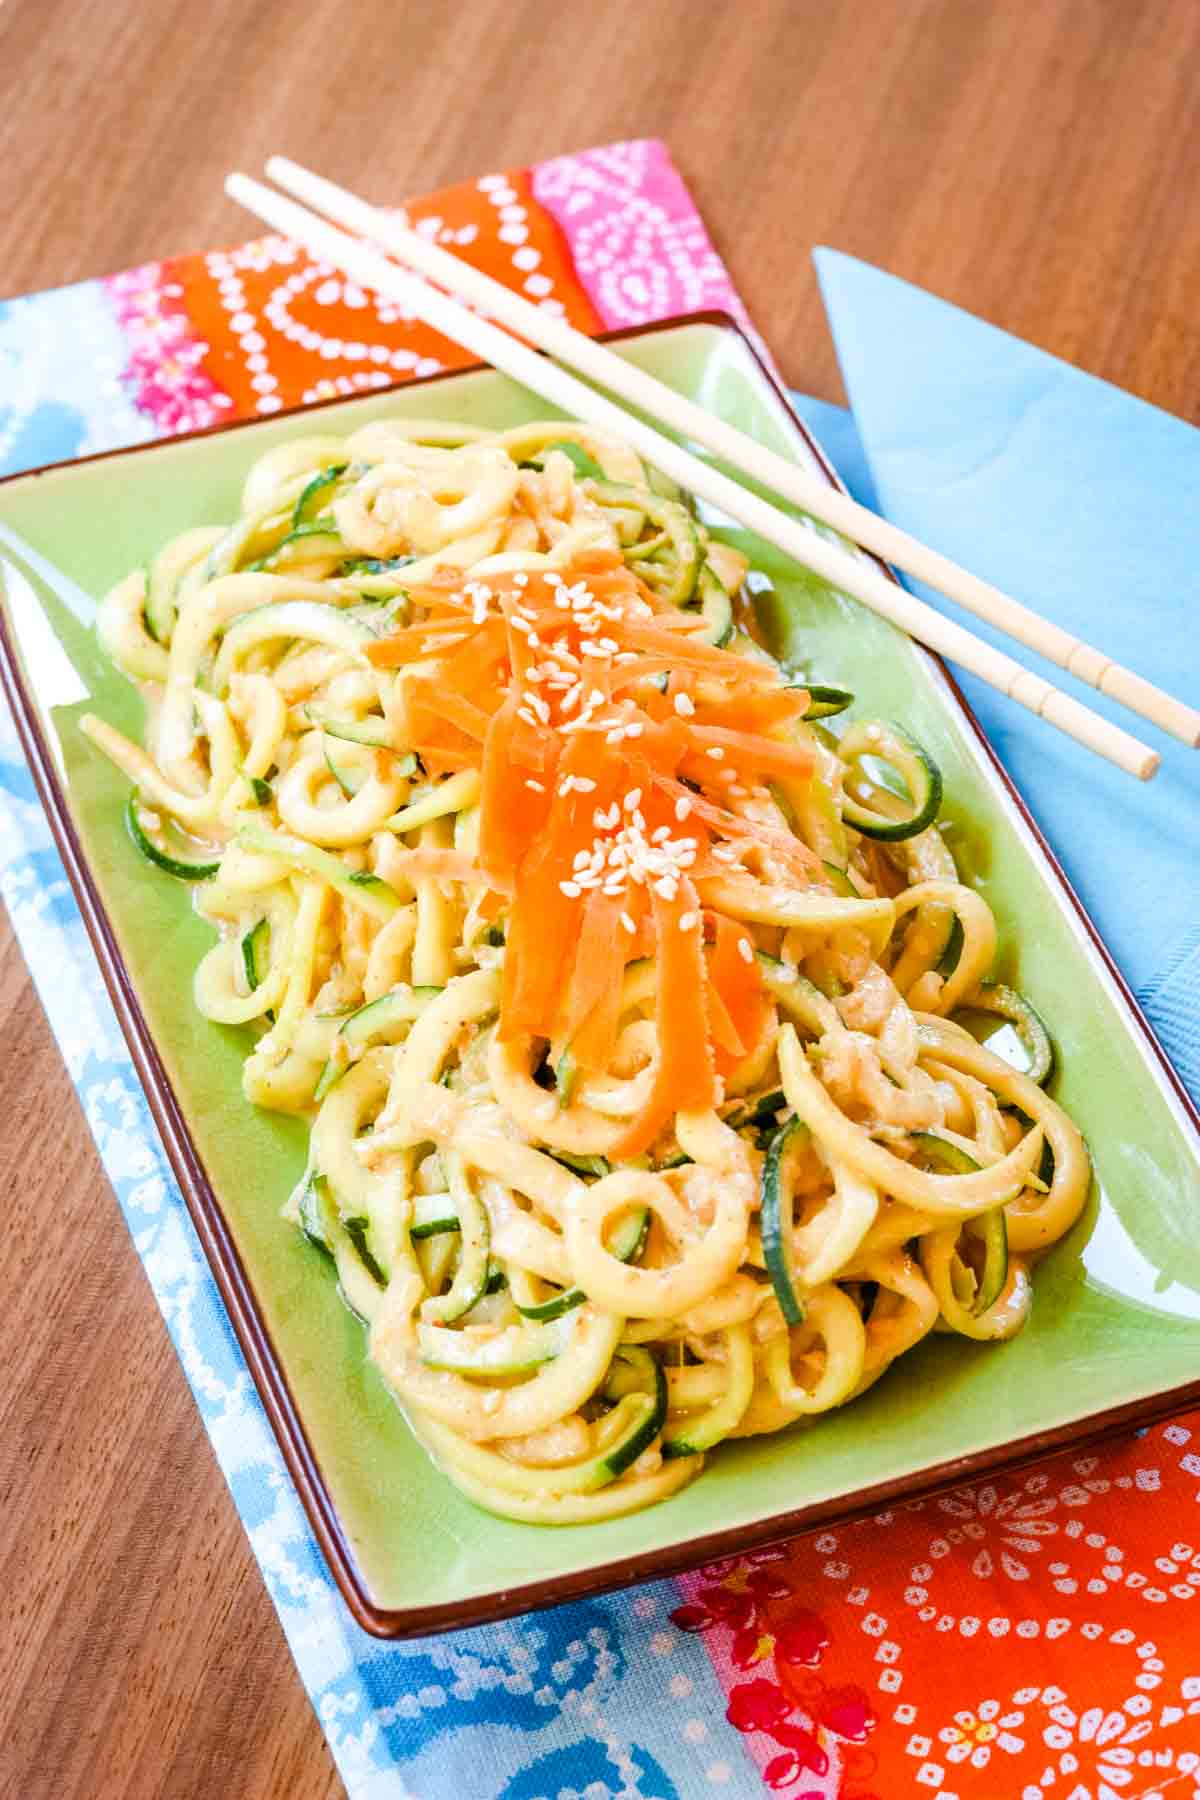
column 625, row 996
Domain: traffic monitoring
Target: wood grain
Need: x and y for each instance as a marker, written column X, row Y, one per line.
column 1037, row 163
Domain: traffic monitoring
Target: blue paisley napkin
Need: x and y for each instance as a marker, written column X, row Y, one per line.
column 1071, row 494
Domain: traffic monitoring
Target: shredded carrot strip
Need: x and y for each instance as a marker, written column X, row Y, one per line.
column 600, row 800
column 597, row 954
column 771, row 756
column 736, row 982
column 685, row 1076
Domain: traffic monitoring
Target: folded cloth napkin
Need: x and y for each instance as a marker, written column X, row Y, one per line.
column 1085, row 503
column 1031, row 1635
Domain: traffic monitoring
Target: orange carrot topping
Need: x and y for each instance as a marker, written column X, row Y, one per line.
column 736, row 983
column 685, row 1076
column 606, row 792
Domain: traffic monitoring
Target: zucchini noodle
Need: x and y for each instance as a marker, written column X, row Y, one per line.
column 621, row 995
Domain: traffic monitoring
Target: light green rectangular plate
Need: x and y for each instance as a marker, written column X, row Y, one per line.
column 1115, row 1333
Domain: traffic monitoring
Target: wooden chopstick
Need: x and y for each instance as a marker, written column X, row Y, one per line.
column 796, row 484
column 844, row 569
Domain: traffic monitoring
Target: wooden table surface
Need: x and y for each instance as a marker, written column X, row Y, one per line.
column 1037, row 161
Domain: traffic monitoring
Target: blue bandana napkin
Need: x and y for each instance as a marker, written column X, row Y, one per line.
column 1073, row 496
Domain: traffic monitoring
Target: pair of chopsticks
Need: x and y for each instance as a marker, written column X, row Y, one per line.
column 362, row 257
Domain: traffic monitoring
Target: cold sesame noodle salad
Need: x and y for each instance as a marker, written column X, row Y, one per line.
column 624, row 997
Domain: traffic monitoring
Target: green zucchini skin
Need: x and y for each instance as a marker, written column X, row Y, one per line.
column 635, row 1370
column 776, row 1219
column 177, row 866
column 256, row 953
column 349, row 783
column 942, row 1155
column 432, row 1215
column 585, row 466
column 370, row 731
column 840, row 881
column 314, row 493
column 357, row 1230
column 677, row 579
column 315, row 537
column 515, row 1351
column 378, row 1018
column 893, row 745
column 626, row 1242
column 470, row 1282
column 716, row 606
column 1007, row 1003
column 824, row 701
column 359, row 1276
column 990, row 1227
column 799, row 997
column 583, row 1165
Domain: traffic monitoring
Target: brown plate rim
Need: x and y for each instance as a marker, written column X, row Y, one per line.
column 234, row 1285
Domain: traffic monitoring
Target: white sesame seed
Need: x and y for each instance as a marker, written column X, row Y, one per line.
column 666, row 888
column 685, row 706
column 520, row 579
column 632, row 800
column 523, row 712
column 716, row 752
column 571, row 889
column 595, row 698
column 635, row 730
column 535, row 786
column 520, row 624
column 582, row 859
column 688, row 921
column 745, row 949
column 628, row 923
column 584, row 784
column 660, row 835
column 614, row 737
column 683, row 807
